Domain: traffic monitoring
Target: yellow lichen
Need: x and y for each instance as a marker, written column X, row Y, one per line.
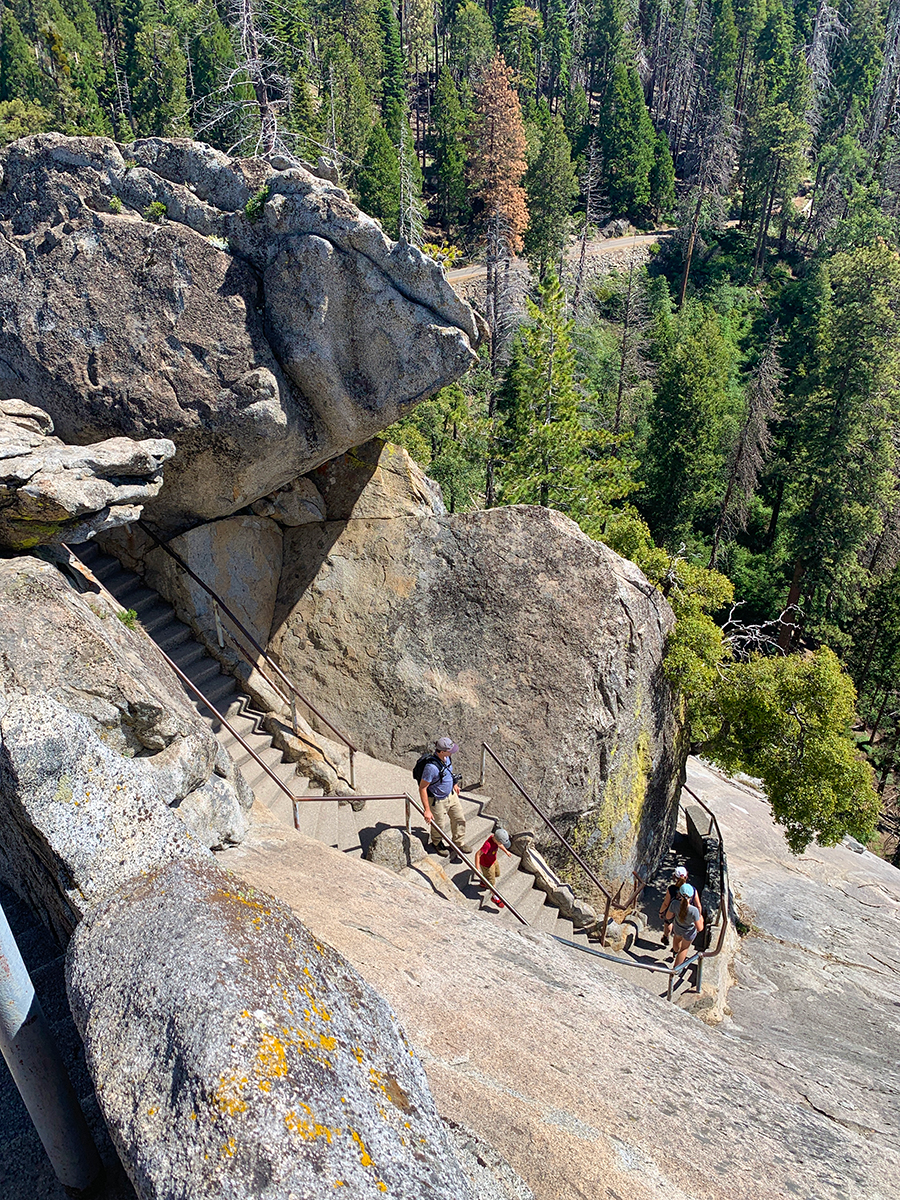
column 229, row 1148
column 271, row 1059
column 227, row 1097
column 309, row 1129
column 364, row 1157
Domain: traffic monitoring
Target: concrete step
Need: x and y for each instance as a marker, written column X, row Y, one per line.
column 334, row 825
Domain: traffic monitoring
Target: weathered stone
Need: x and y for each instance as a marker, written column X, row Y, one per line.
column 98, row 741
column 377, row 481
column 395, row 849
column 329, row 771
column 239, row 558
column 261, row 348
column 429, row 875
column 509, row 626
column 490, row 1174
column 298, row 503
column 576, row 1074
column 235, row 1055
column 50, row 492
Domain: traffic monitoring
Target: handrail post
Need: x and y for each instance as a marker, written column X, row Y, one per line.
column 220, row 636
column 605, row 922
column 408, row 817
column 483, row 765
column 294, row 715
column 39, row 1074
column 671, row 984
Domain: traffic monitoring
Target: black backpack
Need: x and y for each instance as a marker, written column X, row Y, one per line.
column 423, row 762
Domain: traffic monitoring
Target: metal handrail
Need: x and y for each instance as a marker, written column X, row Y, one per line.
column 723, row 872
column 639, row 882
column 410, row 802
column 294, row 691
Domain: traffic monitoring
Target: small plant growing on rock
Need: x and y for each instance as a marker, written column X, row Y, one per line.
column 155, row 212
column 128, row 617
column 115, row 205
column 253, row 209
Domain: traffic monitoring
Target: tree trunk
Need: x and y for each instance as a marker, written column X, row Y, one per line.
column 689, row 253
column 788, row 617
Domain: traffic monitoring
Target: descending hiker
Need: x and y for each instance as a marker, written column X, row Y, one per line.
column 680, row 877
column 486, row 859
column 687, row 922
column 439, row 793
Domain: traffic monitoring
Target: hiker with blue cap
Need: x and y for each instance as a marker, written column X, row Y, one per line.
column 687, row 922
column 439, row 793
column 679, row 877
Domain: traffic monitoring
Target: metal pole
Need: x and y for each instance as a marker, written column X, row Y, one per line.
column 220, row 637
column 40, row 1076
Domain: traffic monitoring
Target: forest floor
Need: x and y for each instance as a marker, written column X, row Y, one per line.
column 603, row 254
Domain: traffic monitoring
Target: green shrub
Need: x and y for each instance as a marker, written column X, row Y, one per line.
column 128, row 617
column 154, row 212
column 115, row 205
column 253, row 209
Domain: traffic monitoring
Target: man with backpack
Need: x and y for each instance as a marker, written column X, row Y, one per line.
column 439, row 793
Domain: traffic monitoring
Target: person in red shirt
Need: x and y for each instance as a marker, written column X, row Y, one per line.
column 486, row 859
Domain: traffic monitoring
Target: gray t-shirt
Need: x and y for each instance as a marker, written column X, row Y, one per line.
column 689, row 928
column 439, row 779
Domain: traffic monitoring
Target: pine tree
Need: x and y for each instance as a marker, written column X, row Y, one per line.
column 551, row 459
column 393, row 84
column 627, row 141
column 471, row 39
column 448, row 150
column 692, row 422
column 552, row 188
column 378, row 180
column 842, row 412
column 497, row 162
column 496, row 166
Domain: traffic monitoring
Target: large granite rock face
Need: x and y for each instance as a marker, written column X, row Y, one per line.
column 105, row 769
column 581, row 1075
column 235, row 1055
column 262, row 347
column 508, row 626
column 50, row 492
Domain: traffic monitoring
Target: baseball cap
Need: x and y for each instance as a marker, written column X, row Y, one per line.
column 686, row 890
column 447, row 744
column 681, row 872
column 502, row 837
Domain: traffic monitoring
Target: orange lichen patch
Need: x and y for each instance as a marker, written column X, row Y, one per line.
column 357, row 1052
column 271, row 1059
column 388, row 1084
column 314, row 1007
column 309, row 1129
column 326, row 1042
column 152, row 1112
column 340, row 1183
column 381, row 1185
column 227, row 1097
column 229, row 1148
column 364, row 1156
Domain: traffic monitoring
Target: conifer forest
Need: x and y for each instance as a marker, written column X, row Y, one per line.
column 719, row 402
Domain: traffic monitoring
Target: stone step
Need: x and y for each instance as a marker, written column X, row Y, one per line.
column 333, row 824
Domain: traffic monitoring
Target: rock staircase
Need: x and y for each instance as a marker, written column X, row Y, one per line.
column 335, row 825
